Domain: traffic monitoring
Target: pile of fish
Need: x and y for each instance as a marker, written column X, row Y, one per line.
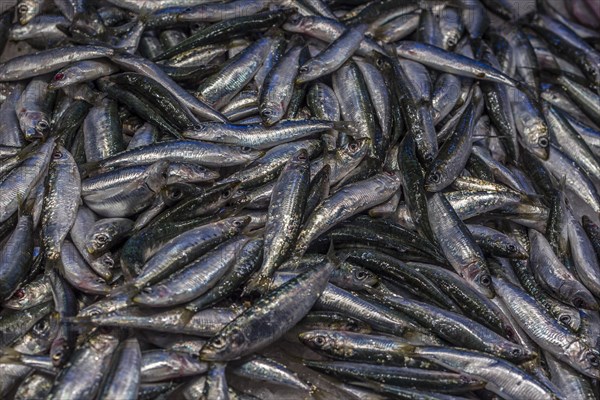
column 293, row 199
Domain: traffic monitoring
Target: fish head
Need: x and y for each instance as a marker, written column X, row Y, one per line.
column 584, row 358
column 478, row 276
column 27, row 10
column 98, row 242
column 156, row 175
column 296, row 23
column 36, row 125
column 515, row 352
column 172, row 193
column 536, row 140
column 435, row 179
column 271, row 112
column 245, row 153
column 581, row 297
column 310, row 71
column 65, row 77
column 322, row 340
column 227, row 190
column 60, row 352
column 354, row 150
column 238, row 223
column 227, row 345
column 364, row 277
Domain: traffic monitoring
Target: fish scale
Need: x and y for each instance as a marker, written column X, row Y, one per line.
column 299, row 199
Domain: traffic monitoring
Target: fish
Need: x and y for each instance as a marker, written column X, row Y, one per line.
column 359, row 199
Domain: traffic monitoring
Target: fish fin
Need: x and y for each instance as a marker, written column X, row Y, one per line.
column 28, row 150
column 9, row 355
column 88, row 167
column 333, row 257
column 529, row 92
column 145, row 14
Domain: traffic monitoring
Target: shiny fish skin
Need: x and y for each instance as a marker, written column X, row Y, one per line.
column 193, row 279
column 48, row 61
column 339, row 206
column 219, row 88
column 285, row 213
column 185, row 248
column 304, row 199
column 60, row 202
column 124, row 379
column 555, row 277
column 499, row 374
column 333, row 56
column 247, row 331
column 210, row 155
column 102, row 132
column 277, row 88
column 21, row 180
column 127, row 200
column 459, row 246
column 32, row 109
column 15, row 257
column 546, row 332
column 93, row 356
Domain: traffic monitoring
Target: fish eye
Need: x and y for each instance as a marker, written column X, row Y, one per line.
column 109, row 262
column 353, row 147
column 176, row 194
column 517, row 352
column 512, row 248
column 435, row 177
column 295, row 19
column 99, row 280
column 101, row 238
column 59, row 77
column 218, row 343
column 57, row 154
column 565, row 319
column 360, row 275
column 302, row 156
column 147, row 290
column 543, row 142
column 267, row 112
column 57, row 356
column 226, row 193
column 578, row 302
column 320, row 340
column 304, row 69
column 593, row 360
column 41, row 326
column 379, row 62
column 19, row 294
column 23, row 8
column 246, row 149
column 485, row 280
column 42, row 125
column 238, row 223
